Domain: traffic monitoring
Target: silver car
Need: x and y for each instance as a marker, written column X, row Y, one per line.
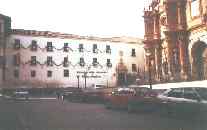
column 184, row 101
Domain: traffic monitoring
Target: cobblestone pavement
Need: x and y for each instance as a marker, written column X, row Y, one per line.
column 59, row 115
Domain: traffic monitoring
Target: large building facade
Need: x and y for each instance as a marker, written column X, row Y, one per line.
column 175, row 39
column 44, row 59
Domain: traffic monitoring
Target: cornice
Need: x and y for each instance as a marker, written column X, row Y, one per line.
column 49, row 34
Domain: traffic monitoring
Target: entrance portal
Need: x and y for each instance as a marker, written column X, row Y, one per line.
column 199, row 65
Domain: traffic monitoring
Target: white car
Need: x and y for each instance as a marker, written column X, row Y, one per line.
column 184, row 100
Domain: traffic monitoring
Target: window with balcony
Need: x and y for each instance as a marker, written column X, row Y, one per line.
column 66, row 73
column 95, row 62
column 108, row 49
column 49, row 47
column 108, row 63
column 80, row 48
column 65, row 62
column 49, row 61
column 33, row 60
column 16, row 73
column 49, row 73
column 33, row 73
column 95, row 49
column 82, row 62
column 16, row 44
column 66, row 47
column 34, row 45
column 133, row 53
column 134, row 68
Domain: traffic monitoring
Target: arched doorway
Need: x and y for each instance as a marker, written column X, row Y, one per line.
column 199, row 64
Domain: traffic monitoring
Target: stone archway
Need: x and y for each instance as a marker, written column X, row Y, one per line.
column 199, row 64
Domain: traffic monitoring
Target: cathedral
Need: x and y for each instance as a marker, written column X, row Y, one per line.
column 175, row 40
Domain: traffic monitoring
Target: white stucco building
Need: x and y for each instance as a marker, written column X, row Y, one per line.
column 48, row 58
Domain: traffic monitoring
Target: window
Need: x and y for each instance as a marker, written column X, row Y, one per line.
column 95, row 48
column 189, row 93
column 34, row 45
column 95, row 63
column 177, row 92
column 49, row 73
column 108, row 49
column 82, row 62
column 108, row 63
column 33, row 73
column 66, row 48
column 1, row 28
column 49, row 46
column 195, row 11
column 33, row 60
column 80, row 48
column 202, row 92
column 16, row 73
column 66, row 73
column 134, row 68
column 49, row 61
column 16, row 60
column 1, row 61
column 133, row 53
column 65, row 62
column 16, row 44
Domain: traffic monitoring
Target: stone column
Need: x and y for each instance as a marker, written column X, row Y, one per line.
column 170, row 61
column 158, row 62
column 183, row 57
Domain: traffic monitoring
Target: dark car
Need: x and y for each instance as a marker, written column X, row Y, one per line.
column 75, row 95
column 145, row 100
column 119, row 98
column 20, row 95
column 184, row 101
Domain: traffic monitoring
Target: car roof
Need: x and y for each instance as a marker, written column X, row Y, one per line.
column 194, row 84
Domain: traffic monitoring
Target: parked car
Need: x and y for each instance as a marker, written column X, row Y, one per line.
column 20, row 95
column 184, row 101
column 75, row 95
column 98, row 86
column 145, row 100
column 119, row 98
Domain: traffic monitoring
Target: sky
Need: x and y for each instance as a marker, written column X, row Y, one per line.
column 102, row 18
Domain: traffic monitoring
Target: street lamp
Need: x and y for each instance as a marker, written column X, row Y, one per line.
column 148, row 54
column 78, row 77
column 85, row 74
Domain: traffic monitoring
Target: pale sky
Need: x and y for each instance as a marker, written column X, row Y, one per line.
column 103, row 18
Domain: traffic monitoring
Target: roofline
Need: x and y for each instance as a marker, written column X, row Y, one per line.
column 49, row 34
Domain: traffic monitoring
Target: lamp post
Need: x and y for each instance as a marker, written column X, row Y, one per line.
column 85, row 74
column 148, row 54
column 78, row 77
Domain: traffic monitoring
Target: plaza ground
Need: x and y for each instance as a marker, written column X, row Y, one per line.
column 54, row 114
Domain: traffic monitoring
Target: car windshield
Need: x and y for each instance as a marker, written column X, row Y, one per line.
column 202, row 92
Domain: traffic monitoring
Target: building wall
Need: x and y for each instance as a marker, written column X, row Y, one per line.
column 182, row 40
column 95, row 75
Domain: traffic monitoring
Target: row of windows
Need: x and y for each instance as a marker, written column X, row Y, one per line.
column 33, row 61
column 33, row 73
column 66, row 47
column 65, row 72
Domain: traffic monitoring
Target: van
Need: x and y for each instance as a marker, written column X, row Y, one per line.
column 98, row 86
